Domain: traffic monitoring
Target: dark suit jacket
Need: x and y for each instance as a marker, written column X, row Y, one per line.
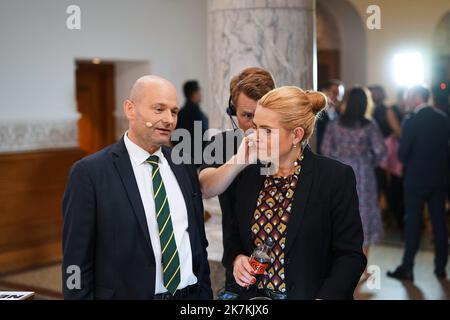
column 321, row 125
column 323, row 253
column 188, row 114
column 424, row 149
column 105, row 228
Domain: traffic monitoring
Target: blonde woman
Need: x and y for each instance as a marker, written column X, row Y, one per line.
column 309, row 207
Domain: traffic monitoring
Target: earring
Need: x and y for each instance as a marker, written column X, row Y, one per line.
column 294, row 145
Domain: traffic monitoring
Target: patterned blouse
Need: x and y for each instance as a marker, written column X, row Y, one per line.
column 271, row 218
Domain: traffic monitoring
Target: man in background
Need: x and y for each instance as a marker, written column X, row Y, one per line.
column 192, row 112
column 424, row 153
column 335, row 91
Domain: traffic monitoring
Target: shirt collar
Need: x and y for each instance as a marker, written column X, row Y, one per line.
column 137, row 154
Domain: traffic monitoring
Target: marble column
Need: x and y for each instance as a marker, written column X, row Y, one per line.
column 278, row 35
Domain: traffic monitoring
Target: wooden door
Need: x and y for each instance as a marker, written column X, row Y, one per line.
column 328, row 65
column 95, row 99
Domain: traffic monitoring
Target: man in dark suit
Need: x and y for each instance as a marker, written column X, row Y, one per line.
column 133, row 220
column 423, row 151
column 190, row 113
column 334, row 90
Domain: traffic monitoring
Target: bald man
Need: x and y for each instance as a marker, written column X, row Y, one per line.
column 133, row 220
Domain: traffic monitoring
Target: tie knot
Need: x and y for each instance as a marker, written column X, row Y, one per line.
column 153, row 160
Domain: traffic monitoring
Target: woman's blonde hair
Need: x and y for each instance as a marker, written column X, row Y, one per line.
column 296, row 108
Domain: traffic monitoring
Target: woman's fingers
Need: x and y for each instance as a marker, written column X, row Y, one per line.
column 243, row 272
column 247, row 266
column 239, row 282
column 241, row 279
column 251, row 139
column 245, row 276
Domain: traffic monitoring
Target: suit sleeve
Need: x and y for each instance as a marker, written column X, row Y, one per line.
column 231, row 238
column 79, row 227
column 406, row 140
column 348, row 262
column 204, row 279
column 327, row 144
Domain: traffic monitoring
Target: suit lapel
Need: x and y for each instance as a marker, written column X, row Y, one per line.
column 302, row 190
column 122, row 163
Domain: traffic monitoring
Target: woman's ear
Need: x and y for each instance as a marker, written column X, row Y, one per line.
column 299, row 133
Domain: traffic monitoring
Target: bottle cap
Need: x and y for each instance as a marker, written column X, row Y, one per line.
column 269, row 242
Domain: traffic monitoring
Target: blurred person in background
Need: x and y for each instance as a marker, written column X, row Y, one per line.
column 441, row 97
column 192, row 112
column 357, row 141
column 424, row 153
column 389, row 122
column 392, row 164
column 335, row 91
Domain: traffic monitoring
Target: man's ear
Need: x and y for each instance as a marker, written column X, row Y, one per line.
column 299, row 133
column 129, row 109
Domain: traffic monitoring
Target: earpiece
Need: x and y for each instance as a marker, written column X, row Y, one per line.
column 231, row 110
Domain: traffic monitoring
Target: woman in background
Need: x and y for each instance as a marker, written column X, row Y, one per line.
column 357, row 141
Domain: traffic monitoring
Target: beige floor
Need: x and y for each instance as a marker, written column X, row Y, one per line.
column 46, row 281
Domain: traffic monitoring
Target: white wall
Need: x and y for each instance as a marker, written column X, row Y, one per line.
column 37, row 76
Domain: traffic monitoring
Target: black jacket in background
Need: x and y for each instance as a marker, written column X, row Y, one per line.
column 323, row 254
column 424, row 149
column 321, row 125
column 106, row 233
column 188, row 114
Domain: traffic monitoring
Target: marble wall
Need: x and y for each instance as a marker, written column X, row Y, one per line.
column 37, row 134
column 278, row 35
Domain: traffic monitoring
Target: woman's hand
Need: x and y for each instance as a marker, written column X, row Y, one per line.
column 243, row 271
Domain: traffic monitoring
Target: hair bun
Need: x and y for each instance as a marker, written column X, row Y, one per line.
column 317, row 99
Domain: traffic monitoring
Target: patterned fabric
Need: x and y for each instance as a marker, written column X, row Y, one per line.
column 271, row 219
column 170, row 258
column 363, row 149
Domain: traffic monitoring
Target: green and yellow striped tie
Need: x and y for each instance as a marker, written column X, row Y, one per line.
column 170, row 258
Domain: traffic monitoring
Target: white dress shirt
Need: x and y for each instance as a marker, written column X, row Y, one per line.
column 178, row 212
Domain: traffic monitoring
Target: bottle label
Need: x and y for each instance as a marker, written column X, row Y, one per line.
column 257, row 266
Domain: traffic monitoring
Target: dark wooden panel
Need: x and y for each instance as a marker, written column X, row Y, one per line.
column 328, row 66
column 31, row 189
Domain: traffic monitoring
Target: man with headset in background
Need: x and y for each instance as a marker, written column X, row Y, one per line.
column 246, row 88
